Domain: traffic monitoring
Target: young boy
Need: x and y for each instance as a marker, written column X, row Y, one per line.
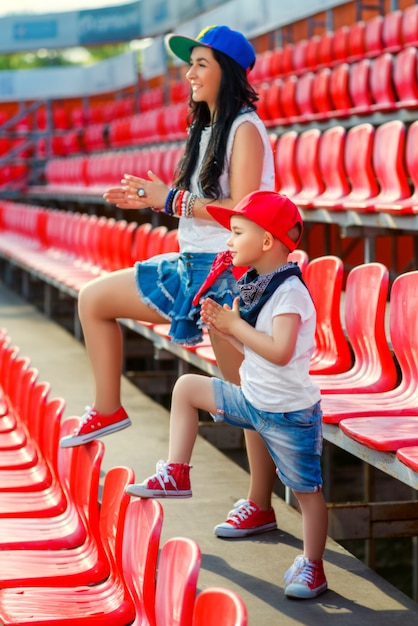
column 273, row 324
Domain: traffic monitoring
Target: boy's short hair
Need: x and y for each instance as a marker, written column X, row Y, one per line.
column 273, row 211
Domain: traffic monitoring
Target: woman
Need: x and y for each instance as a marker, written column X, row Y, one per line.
column 227, row 156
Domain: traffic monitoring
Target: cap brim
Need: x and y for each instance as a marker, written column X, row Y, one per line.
column 181, row 46
column 221, row 214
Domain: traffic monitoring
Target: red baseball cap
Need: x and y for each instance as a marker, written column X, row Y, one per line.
column 272, row 211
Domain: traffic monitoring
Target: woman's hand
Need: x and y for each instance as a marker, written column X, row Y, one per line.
column 154, row 192
column 119, row 197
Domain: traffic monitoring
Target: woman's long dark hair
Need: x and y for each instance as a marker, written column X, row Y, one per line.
column 235, row 93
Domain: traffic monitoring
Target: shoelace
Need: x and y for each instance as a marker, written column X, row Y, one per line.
column 241, row 512
column 302, row 569
column 162, row 475
column 88, row 415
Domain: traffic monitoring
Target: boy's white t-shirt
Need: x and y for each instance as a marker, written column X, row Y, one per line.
column 286, row 388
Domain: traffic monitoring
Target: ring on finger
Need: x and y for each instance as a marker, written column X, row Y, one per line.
column 141, row 192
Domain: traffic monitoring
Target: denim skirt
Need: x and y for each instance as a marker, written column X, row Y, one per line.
column 168, row 283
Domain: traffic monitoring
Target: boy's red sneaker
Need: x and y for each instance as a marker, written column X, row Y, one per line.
column 95, row 425
column 246, row 519
column 305, row 579
column 172, row 480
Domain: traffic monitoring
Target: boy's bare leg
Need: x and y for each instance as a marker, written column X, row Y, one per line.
column 261, row 465
column 191, row 392
column 315, row 523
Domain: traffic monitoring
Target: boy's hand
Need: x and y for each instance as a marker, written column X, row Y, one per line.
column 221, row 319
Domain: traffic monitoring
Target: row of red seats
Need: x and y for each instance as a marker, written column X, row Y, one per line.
column 363, row 39
column 364, row 169
column 361, row 169
column 166, row 123
column 72, row 248
column 98, row 171
column 384, row 84
column 67, row 560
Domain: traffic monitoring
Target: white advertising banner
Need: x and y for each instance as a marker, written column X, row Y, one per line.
column 69, row 82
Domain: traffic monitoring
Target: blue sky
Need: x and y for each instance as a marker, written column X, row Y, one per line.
column 53, row 6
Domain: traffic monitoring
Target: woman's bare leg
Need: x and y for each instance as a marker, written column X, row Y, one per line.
column 261, row 465
column 101, row 302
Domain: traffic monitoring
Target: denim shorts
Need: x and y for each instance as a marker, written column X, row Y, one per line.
column 168, row 283
column 294, row 439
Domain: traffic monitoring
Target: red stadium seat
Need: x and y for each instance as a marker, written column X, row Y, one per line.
column 409, row 456
column 359, row 87
column 358, row 165
column 364, row 315
column 307, row 166
column 410, row 203
column 381, row 83
column 403, row 399
column 373, row 36
column 273, row 102
column 356, row 41
column 216, row 606
column 331, row 167
column 405, row 78
column 324, row 278
column 287, row 180
column 340, row 48
column 142, row 533
column 287, row 59
column 392, row 31
column 312, row 60
column 178, row 570
column 325, row 49
column 321, row 94
column 300, row 257
column 299, row 56
column 288, row 99
column 107, row 603
column 388, row 165
column 339, row 90
column 409, row 26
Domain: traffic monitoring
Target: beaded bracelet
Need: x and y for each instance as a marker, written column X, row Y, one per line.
column 179, row 203
column 168, row 206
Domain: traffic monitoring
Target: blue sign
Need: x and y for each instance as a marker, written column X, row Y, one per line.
column 110, row 24
column 24, row 30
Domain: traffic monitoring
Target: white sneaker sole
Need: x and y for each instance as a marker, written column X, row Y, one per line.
column 142, row 492
column 78, row 440
column 300, row 592
column 229, row 532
